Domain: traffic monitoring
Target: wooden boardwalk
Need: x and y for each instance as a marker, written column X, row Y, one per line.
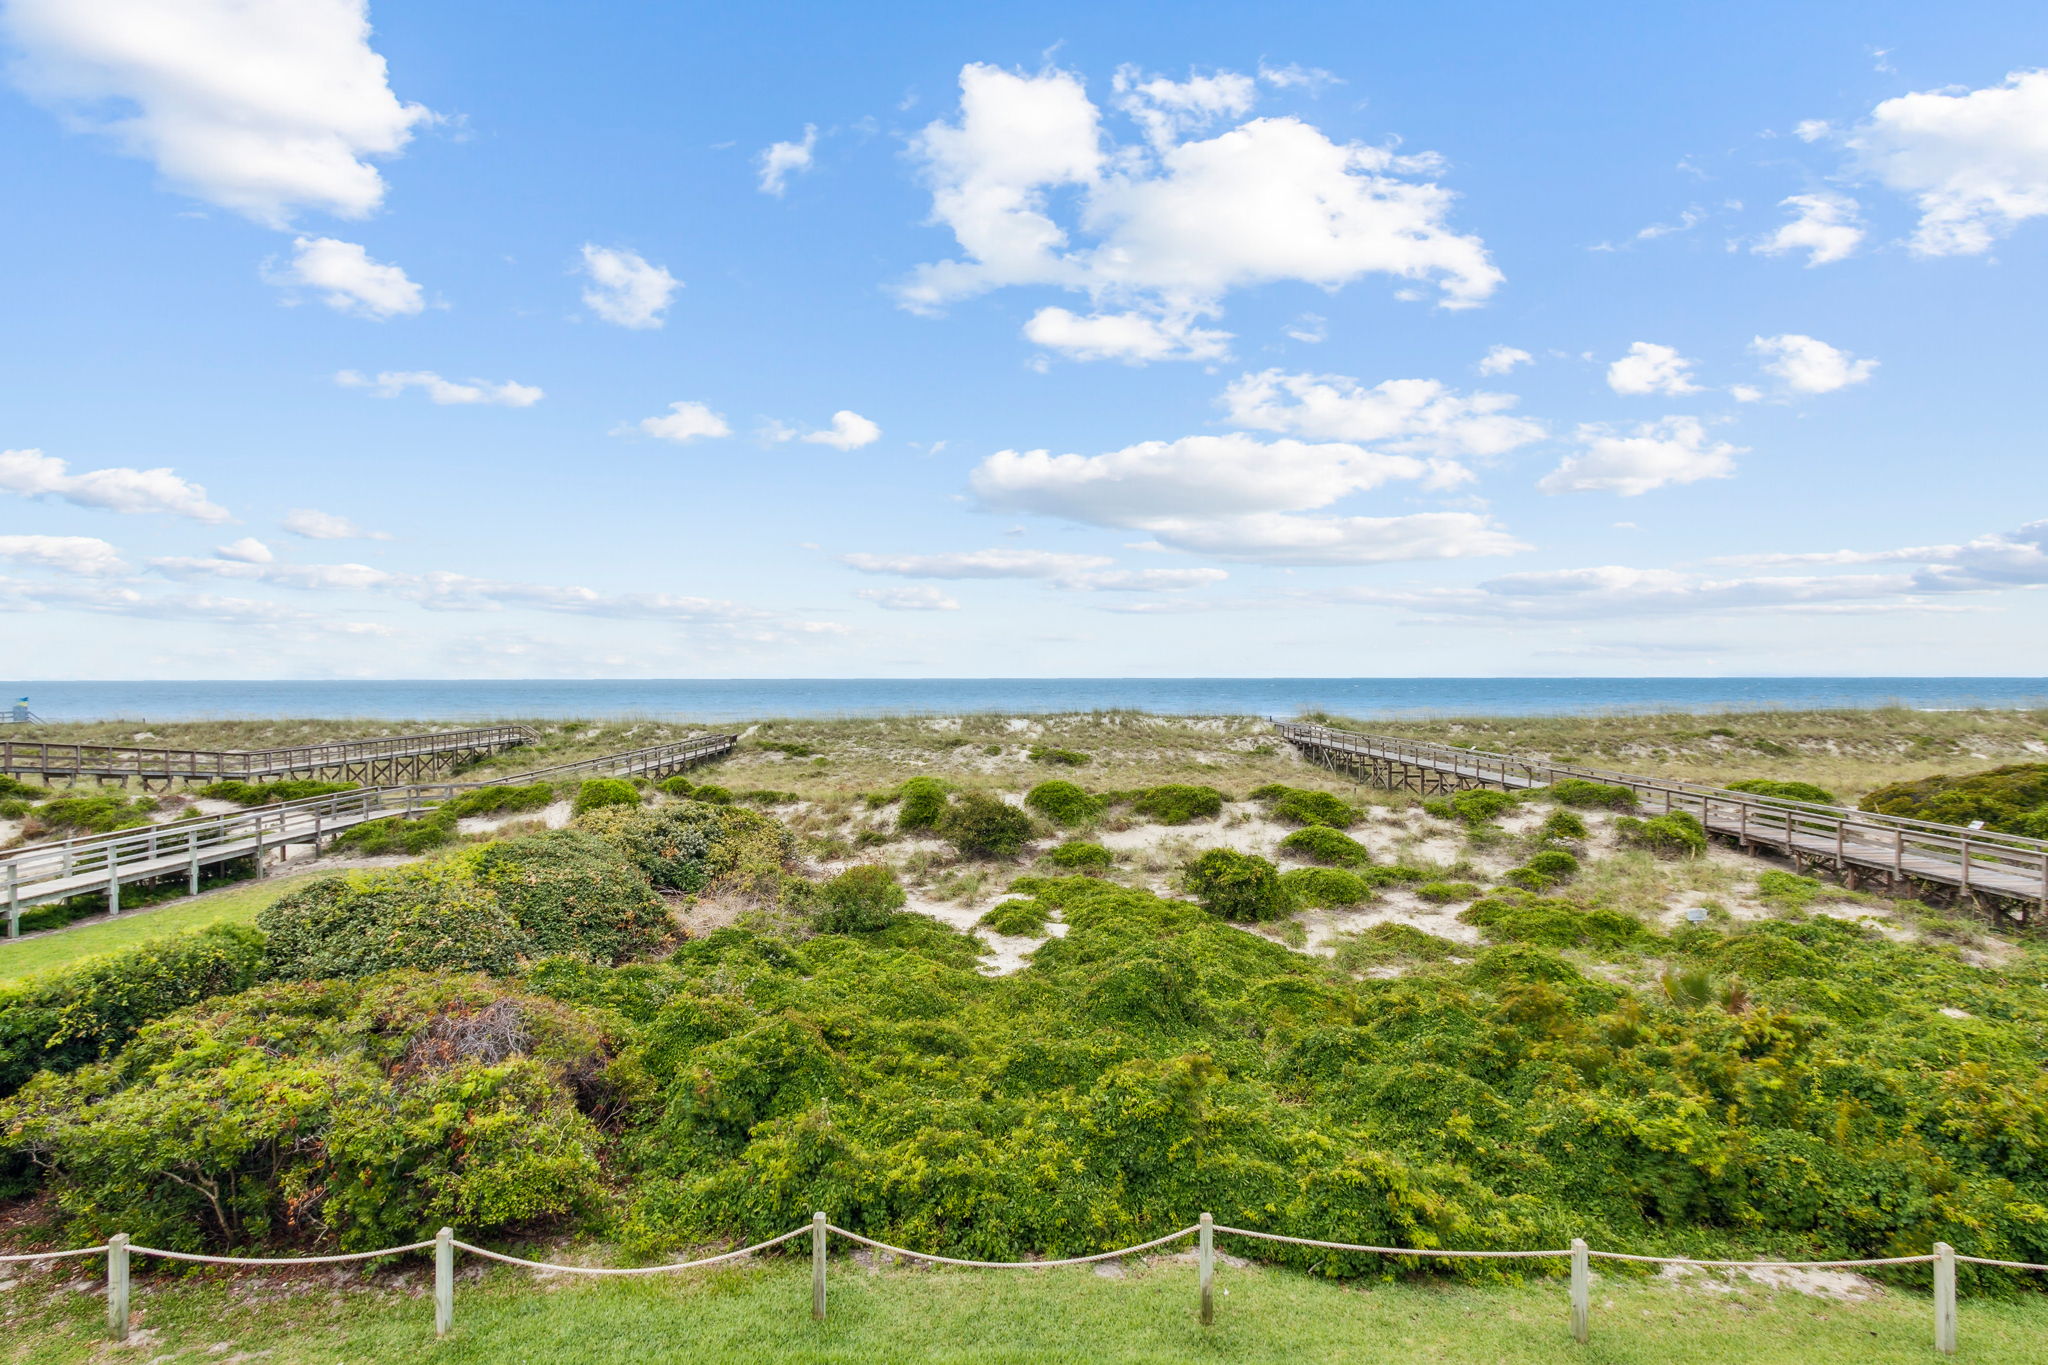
column 401, row 758
column 36, row 874
column 1911, row 857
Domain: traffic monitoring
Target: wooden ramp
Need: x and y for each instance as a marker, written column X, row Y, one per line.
column 401, row 758
column 1911, row 857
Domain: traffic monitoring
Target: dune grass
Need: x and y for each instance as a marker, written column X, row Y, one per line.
column 237, row 904
column 761, row 1312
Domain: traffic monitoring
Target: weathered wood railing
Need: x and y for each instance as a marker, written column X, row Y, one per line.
column 45, row 758
column 2010, row 867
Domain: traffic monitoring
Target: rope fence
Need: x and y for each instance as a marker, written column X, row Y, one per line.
column 117, row 1249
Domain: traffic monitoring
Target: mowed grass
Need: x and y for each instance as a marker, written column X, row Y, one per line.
column 238, row 904
column 762, row 1313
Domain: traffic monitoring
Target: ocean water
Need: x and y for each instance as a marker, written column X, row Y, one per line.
column 725, row 700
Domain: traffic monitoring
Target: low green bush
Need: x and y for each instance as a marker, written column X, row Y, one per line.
column 1475, row 806
column 1446, row 893
column 1078, row 855
column 1300, row 807
column 691, row 846
column 571, row 893
column 1067, row 758
column 859, row 900
column 1551, row 867
column 1325, row 888
column 677, row 786
column 1550, row 922
column 14, row 808
column 2013, row 799
column 271, row 793
column 924, row 803
column 1561, row 827
column 712, row 794
column 1238, row 886
column 790, row 748
column 1579, row 791
column 1785, row 791
column 432, row 916
column 499, row 800
column 1178, row 803
column 1788, row 890
column 1321, row 844
column 1017, row 918
column 764, row 796
column 1063, row 803
column 978, row 825
column 93, row 814
column 1399, row 874
column 1388, row 943
column 398, row 834
column 599, row 792
column 1676, row 834
column 13, row 788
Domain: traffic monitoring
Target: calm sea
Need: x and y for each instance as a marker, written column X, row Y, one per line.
column 759, row 698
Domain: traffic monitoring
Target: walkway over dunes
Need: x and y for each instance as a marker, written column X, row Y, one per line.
column 402, row 758
column 1911, row 857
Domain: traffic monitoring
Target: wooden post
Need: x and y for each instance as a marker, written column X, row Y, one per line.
column 444, row 1281
column 1208, row 1269
column 117, row 1286
column 1944, row 1298
column 192, row 871
column 818, row 1235
column 1582, row 1289
column 13, row 901
column 113, row 884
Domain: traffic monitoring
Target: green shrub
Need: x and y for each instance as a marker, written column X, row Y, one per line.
column 1579, row 791
column 1238, row 886
column 1325, row 887
column 1063, row 803
column 13, row 808
column 788, row 747
column 1544, row 870
column 1077, row 855
column 1321, row 844
column 982, row 826
column 599, row 792
column 14, row 788
column 1314, row 808
column 398, row 834
column 498, row 800
column 712, row 795
column 572, row 893
column 1552, row 923
column 1017, row 918
column 62, row 1020
column 1445, row 893
column 1561, row 826
column 2013, row 798
column 1069, row 758
column 763, row 796
column 94, row 814
column 677, row 786
column 1178, row 804
column 1785, row 791
column 1398, row 874
column 433, row 917
column 1389, row 942
column 1788, row 890
column 924, row 803
column 690, row 846
column 271, row 793
column 1474, row 806
column 860, row 900
column 1676, row 834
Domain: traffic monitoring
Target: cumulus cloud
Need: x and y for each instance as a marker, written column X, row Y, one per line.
column 781, row 160
column 248, row 550
column 348, row 280
column 1136, row 338
column 315, row 525
column 1646, row 456
column 1975, row 162
column 1501, row 359
column 263, row 109
column 391, row 383
column 32, row 474
column 1827, row 227
column 1809, row 366
column 1169, row 225
column 684, row 421
column 84, row 556
column 1142, row 580
column 624, row 288
column 978, row 564
column 1414, row 416
column 908, row 599
column 1650, row 368
column 849, row 431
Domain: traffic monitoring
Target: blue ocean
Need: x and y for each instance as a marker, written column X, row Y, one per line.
column 732, row 699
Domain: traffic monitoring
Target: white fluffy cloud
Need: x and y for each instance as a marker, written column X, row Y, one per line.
column 262, row 108
column 1136, row 338
column 315, row 525
column 1646, row 456
column 624, row 288
column 32, row 474
column 348, row 280
column 849, row 431
column 1413, row 416
column 247, row 550
column 1277, row 538
column 1975, row 162
column 781, row 160
column 391, row 383
column 85, row 556
column 1501, row 359
column 684, row 421
column 1171, row 224
column 978, row 564
column 1650, row 368
column 908, row 599
column 1826, row 226
column 1810, row 366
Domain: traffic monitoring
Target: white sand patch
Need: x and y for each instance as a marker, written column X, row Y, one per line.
column 1393, row 907
column 1843, row 1286
column 1952, row 1012
column 1003, row 953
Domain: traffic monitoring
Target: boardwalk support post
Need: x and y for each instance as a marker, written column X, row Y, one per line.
column 1944, row 1298
column 444, row 1281
column 113, row 884
column 13, row 901
column 1208, row 1270
column 1582, row 1289
column 818, row 1235
column 117, row 1286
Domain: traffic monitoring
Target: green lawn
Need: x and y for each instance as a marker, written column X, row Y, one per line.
column 230, row 905
column 761, row 1313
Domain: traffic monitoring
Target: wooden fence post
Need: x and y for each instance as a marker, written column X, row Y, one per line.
column 117, row 1286
column 1208, row 1269
column 1582, row 1289
column 1944, row 1298
column 444, row 1281
column 818, row 1236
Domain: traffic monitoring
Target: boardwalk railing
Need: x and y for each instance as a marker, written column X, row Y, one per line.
column 43, row 758
column 118, row 1249
column 1896, row 848
column 39, row 873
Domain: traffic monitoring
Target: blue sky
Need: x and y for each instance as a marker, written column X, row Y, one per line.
column 797, row 340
